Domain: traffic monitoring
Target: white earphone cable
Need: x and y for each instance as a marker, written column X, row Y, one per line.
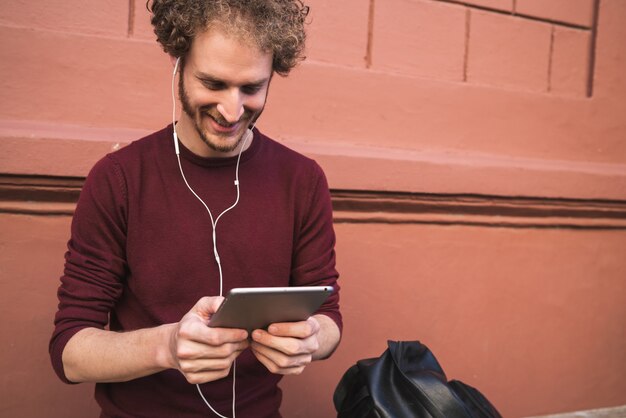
column 248, row 134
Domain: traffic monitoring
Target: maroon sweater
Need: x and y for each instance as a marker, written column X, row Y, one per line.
column 140, row 255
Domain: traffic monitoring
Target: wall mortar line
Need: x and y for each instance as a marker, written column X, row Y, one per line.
column 468, row 16
column 131, row 18
column 514, row 14
column 592, row 48
column 370, row 35
column 550, row 57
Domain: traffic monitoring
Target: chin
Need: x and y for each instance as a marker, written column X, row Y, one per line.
column 221, row 144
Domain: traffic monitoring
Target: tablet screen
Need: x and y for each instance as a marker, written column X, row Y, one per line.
column 252, row 308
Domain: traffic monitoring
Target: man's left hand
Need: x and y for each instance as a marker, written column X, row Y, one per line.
column 287, row 348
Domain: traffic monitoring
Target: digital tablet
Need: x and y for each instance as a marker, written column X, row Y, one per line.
column 253, row 308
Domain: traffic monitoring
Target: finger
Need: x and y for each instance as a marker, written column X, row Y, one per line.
column 286, row 345
column 204, row 377
column 302, row 329
column 281, row 359
column 269, row 361
column 207, row 306
column 207, row 365
column 197, row 331
column 192, row 350
column 220, row 336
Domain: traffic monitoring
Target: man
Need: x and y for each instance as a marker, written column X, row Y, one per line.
column 148, row 259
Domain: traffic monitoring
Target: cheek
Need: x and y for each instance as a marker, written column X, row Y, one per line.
column 256, row 102
column 198, row 96
column 202, row 98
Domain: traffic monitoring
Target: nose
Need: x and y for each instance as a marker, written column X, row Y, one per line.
column 231, row 107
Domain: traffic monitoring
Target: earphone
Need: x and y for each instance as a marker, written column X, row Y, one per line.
column 247, row 135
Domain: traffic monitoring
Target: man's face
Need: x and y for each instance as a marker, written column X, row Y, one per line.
column 223, row 87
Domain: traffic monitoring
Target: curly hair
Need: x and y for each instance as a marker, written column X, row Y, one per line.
column 275, row 26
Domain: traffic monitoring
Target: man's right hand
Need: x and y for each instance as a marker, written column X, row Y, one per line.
column 203, row 354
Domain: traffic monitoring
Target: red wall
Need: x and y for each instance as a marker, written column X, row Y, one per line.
column 476, row 152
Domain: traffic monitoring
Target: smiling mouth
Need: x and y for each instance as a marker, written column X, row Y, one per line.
column 218, row 119
column 221, row 125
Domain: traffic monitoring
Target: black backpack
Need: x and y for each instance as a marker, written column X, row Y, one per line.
column 406, row 381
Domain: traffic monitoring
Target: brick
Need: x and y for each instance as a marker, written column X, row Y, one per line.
column 375, row 108
column 610, row 59
column 421, row 38
column 509, row 52
column 142, row 28
column 97, row 17
column 331, row 38
column 506, row 5
column 570, row 61
column 577, row 12
column 372, row 114
column 76, row 79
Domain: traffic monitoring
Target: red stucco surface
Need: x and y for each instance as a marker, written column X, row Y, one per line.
column 518, row 105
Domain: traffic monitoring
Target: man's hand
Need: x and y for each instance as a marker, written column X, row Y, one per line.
column 287, row 348
column 204, row 354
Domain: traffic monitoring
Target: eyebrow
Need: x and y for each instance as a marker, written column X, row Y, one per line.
column 210, row 79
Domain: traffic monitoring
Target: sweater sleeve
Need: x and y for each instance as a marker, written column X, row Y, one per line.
column 314, row 249
column 95, row 262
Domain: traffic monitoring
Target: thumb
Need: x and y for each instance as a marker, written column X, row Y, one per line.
column 207, row 306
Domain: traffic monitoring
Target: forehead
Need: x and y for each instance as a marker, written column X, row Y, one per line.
column 228, row 57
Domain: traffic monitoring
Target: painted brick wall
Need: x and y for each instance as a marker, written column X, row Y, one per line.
column 506, row 44
column 475, row 141
column 62, row 53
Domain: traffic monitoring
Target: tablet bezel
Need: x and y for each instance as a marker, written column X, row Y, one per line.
column 253, row 308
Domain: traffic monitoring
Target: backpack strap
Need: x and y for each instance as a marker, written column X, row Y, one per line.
column 352, row 397
column 421, row 371
column 345, row 389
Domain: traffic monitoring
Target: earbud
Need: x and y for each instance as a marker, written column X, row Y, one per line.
column 176, row 148
column 176, row 65
column 248, row 135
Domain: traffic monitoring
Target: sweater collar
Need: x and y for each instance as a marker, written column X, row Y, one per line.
column 185, row 153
